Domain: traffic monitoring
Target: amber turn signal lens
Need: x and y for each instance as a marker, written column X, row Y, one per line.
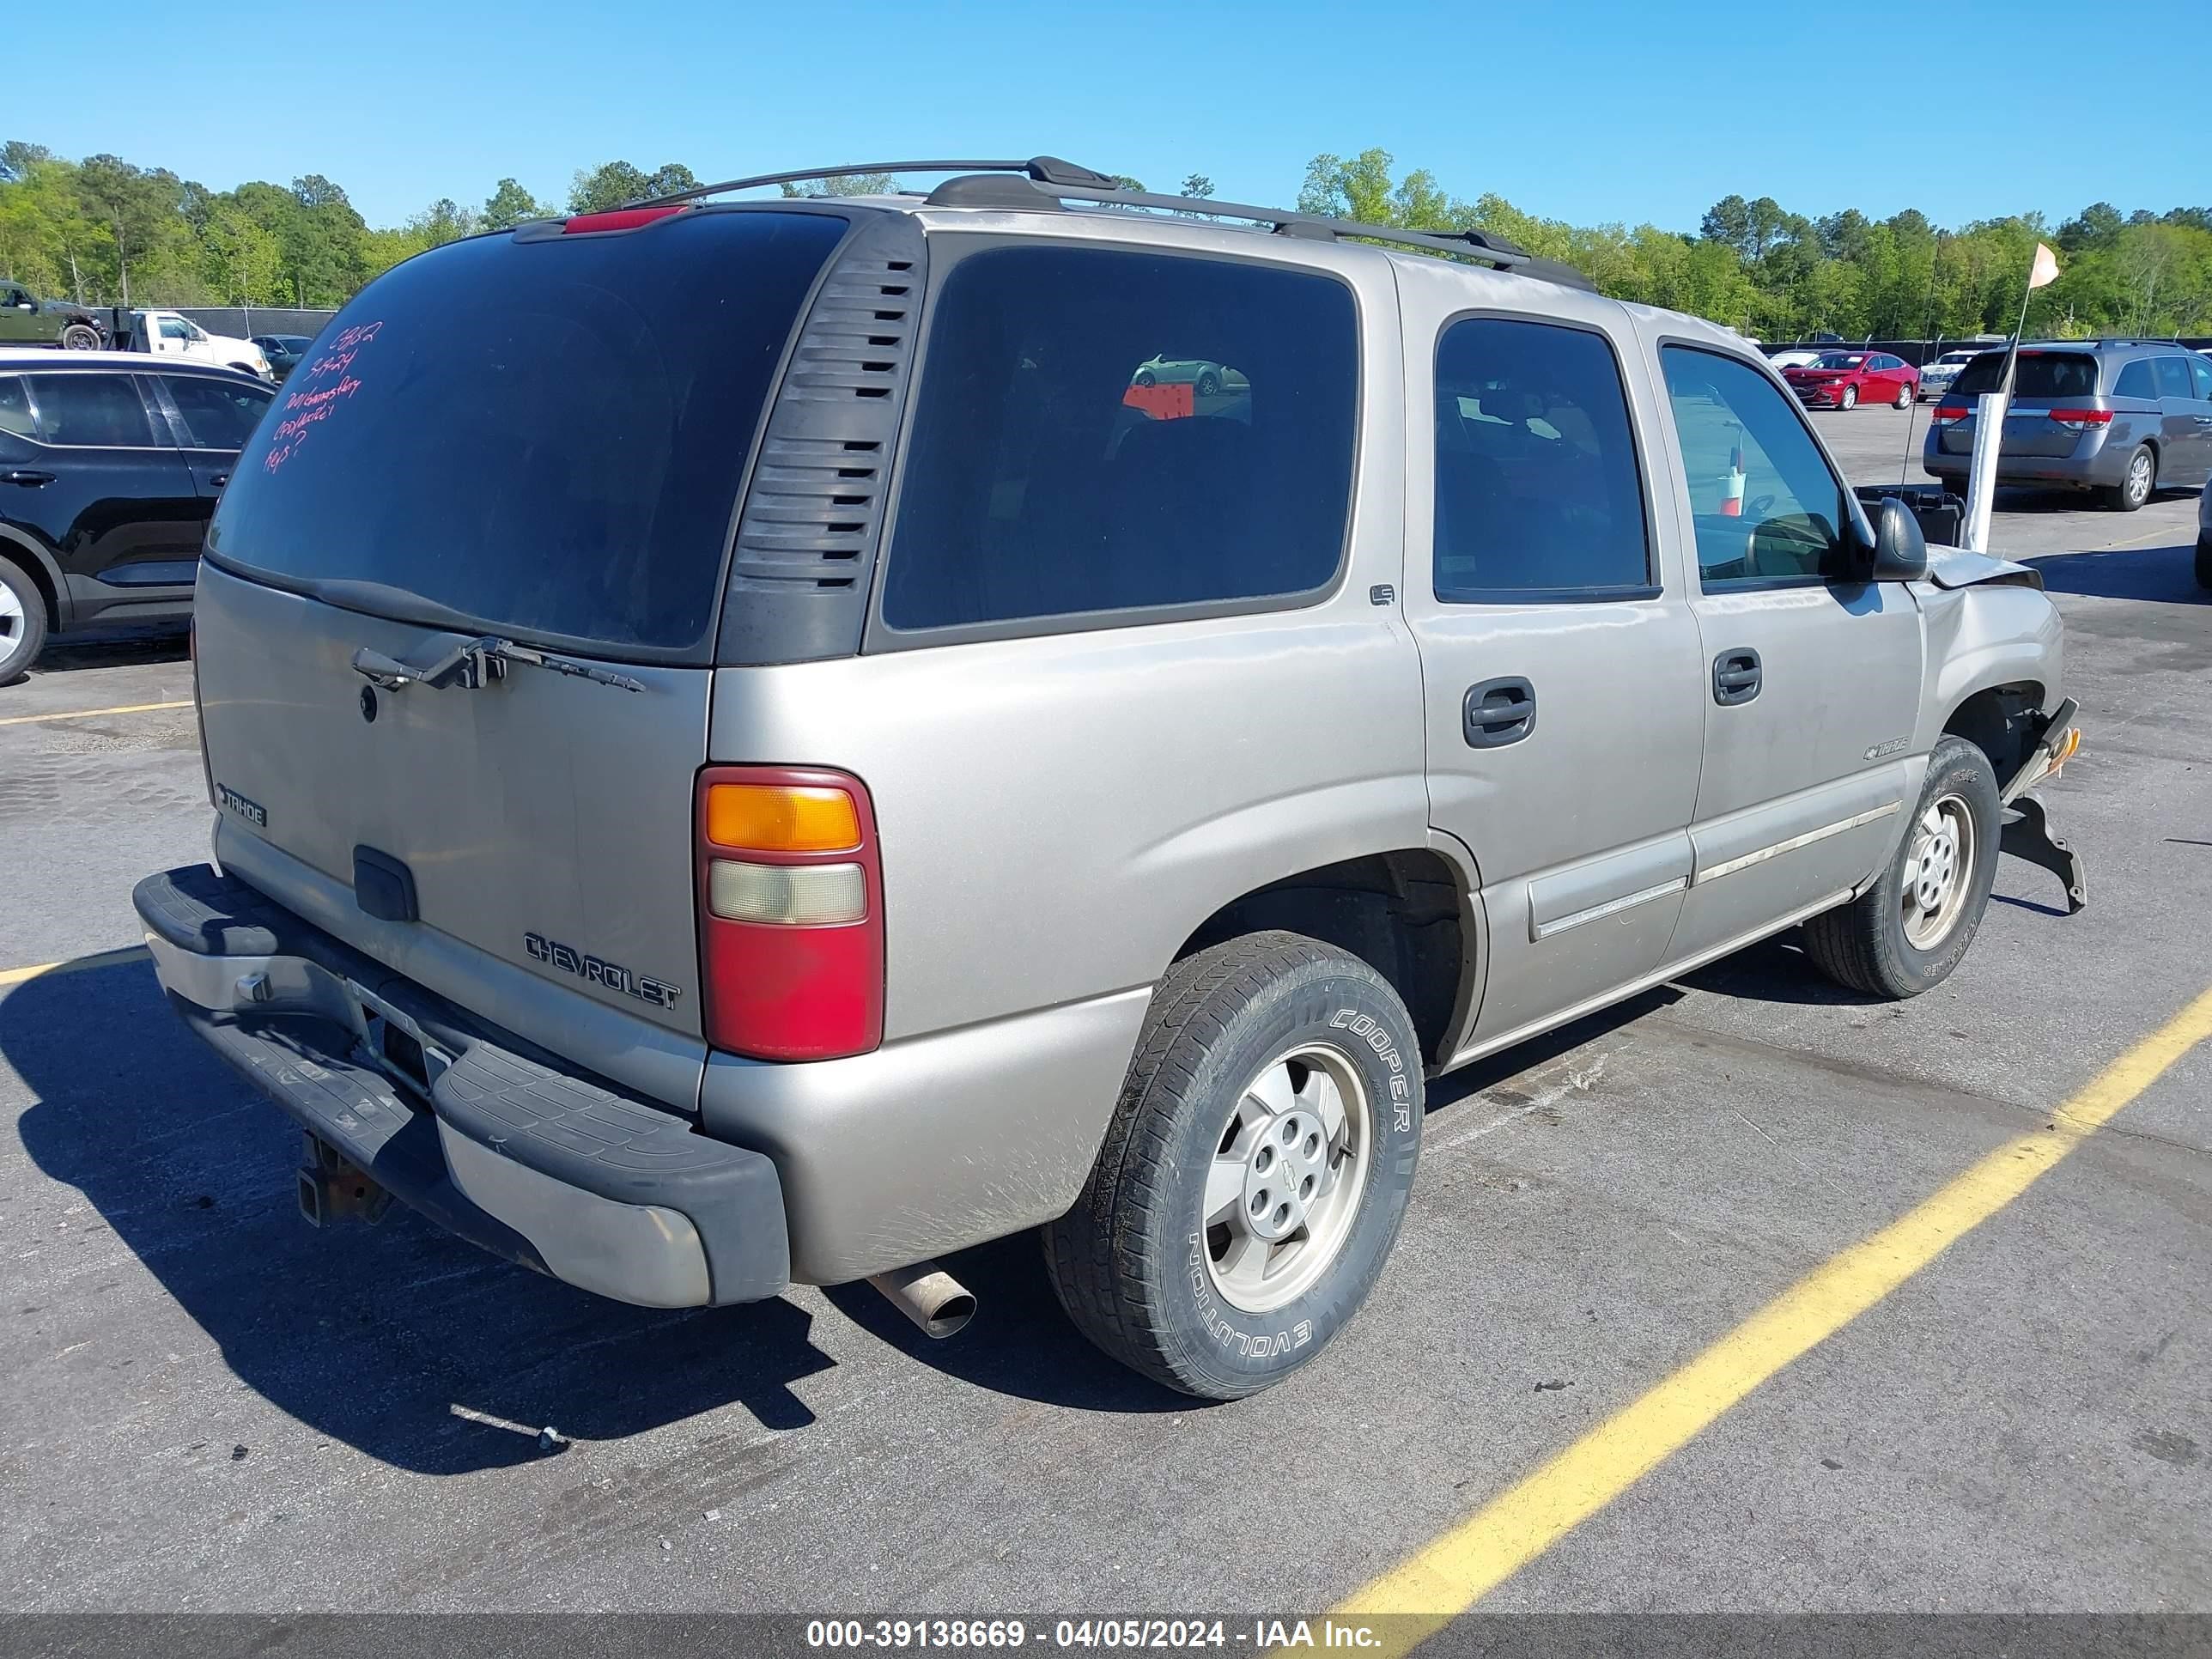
column 781, row 818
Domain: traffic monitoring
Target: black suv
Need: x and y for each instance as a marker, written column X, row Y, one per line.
column 109, row 470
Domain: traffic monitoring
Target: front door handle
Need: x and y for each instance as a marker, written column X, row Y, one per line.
column 1737, row 677
column 217, row 480
column 1499, row 712
column 26, row 477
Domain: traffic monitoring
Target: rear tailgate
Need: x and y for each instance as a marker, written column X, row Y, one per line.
column 538, row 440
column 536, row 812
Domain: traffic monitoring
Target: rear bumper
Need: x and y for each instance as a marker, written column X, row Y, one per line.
column 2103, row 468
column 493, row 1142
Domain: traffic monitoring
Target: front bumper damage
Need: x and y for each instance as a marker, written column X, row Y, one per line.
column 2026, row 832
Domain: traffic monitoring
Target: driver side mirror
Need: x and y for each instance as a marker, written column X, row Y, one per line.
column 1900, row 551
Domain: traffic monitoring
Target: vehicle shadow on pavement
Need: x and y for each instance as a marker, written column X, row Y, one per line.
column 1774, row 970
column 2165, row 574
column 67, row 652
column 399, row 1340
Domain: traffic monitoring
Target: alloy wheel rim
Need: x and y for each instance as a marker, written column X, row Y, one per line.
column 2139, row 476
column 1938, row 869
column 1286, row 1177
column 11, row 614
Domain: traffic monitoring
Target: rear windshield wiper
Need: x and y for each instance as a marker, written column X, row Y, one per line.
column 476, row 662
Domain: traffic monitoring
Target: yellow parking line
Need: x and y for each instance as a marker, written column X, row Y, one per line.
column 73, row 965
column 1450, row 1574
column 94, row 713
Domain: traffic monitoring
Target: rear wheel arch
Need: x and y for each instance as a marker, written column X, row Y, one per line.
column 1408, row 913
column 42, row 571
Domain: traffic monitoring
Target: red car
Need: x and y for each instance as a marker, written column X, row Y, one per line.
column 1845, row 380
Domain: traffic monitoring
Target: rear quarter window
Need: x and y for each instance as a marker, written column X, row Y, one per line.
column 2135, row 380
column 1103, row 431
column 545, row 436
column 218, row 414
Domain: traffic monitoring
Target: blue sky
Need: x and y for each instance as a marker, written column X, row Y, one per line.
column 1588, row 112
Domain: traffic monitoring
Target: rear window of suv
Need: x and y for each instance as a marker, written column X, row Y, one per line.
column 545, row 437
column 2037, row 374
column 1102, row 431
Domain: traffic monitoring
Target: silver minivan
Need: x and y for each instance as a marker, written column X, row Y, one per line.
column 772, row 741
column 2122, row 417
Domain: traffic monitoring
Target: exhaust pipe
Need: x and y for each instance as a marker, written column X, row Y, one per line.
column 940, row 1304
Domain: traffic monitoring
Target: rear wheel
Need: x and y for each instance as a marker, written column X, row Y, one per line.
column 1251, row 1183
column 1905, row 934
column 2135, row 486
column 1904, row 397
column 80, row 337
column 1209, row 383
column 1850, row 399
column 22, row 621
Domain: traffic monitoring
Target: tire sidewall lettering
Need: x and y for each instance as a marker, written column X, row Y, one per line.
column 1242, row 1342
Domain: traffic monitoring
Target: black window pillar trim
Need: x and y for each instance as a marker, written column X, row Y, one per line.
column 808, row 529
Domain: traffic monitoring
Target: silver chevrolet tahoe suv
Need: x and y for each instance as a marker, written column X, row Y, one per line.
column 769, row 741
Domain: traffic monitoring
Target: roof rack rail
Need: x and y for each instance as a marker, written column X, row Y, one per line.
column 1043, row 169
column 1055, row 180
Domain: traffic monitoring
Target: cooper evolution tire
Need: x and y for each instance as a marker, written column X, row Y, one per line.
column 1254, row 1176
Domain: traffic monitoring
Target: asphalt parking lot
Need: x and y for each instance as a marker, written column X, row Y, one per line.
column 209, row 1405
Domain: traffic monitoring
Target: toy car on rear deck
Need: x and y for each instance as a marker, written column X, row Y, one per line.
column 1054, row 804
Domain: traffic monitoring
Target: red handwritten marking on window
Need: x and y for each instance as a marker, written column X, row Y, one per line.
column 319, row 392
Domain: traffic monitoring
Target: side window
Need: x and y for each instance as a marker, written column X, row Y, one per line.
column 14, row 407
column 2200, row 371
column 91, row 410
column 2173, row 378
column 1538, row 493
column 1098, row 430
column 2135, row 380
column 218, row 415
column 1766, row 506
column 176, row 328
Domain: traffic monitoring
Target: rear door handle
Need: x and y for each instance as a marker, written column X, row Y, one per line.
column 25, row 476
column 1737, row 677
column 1499, row 712
column 217, row 480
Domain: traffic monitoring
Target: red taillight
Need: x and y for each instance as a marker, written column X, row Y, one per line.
column 619, row 219
column 791, row 927
column 2081, row 420
column 1948, row 414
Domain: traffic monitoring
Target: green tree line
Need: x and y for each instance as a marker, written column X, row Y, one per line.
column 103, row 230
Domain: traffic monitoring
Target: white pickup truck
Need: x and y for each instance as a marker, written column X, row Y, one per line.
column 172, row 334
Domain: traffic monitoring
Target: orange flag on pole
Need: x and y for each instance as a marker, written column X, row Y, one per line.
column 2045, row 270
